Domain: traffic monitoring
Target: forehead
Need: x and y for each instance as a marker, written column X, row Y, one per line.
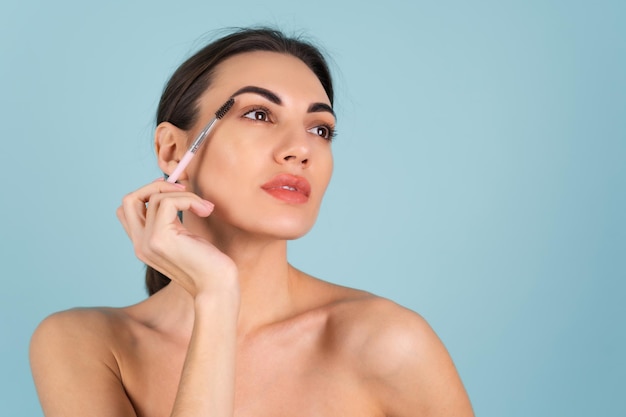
column 283, row 73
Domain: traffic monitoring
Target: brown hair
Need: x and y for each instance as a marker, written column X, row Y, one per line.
column 179, row 101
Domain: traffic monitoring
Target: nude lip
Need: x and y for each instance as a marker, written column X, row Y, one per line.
column 288, row 188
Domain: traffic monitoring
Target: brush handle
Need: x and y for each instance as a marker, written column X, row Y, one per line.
column 221, row 112
column 180, row 167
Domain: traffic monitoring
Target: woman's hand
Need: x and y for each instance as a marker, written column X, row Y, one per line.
column 150, row 217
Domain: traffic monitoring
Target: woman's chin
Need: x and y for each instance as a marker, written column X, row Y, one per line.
column 290, row 231
column 278, row 226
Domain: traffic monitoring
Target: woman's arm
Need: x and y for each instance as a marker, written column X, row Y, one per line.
column 76, row 373
column 150, row 217
column 74, row 367
column 207, row 382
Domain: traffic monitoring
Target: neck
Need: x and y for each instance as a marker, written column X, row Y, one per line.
column 266, row 280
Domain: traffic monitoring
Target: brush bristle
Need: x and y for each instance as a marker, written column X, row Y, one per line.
column 224, row 109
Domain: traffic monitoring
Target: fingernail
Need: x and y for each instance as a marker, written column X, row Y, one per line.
column 181, row 186
column 208, row 204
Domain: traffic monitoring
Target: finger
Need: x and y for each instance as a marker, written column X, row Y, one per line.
column 162, row 226
column 122, row 219
column 163, row 208
column 134, row 205
column 133, row 210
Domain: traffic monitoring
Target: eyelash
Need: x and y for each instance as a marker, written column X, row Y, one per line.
column 258, row 109
column 331, row 131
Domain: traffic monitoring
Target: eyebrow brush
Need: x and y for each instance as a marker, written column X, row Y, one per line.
column 221, row 112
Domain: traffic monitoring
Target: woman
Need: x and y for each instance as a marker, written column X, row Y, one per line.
column 239, row 331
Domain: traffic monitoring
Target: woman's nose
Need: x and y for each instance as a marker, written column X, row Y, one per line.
column 294, row 148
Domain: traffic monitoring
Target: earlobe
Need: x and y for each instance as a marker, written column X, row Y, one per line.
column 170, row 145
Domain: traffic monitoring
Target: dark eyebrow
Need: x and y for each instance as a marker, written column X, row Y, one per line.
column 317, row 107
column 273, row 97
column 260, row 91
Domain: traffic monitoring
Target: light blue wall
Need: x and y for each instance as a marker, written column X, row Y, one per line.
column 480, row 175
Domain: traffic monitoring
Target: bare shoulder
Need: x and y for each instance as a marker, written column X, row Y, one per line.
column 82, row 331
column 72, row 354
column 396, row 351
column 82, row 321
column 383, row 331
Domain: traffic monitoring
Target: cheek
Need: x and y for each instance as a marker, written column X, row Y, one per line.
column 331, row 167
column 225, row 170
column 326, row 170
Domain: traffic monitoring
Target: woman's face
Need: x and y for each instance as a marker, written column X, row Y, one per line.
column 267, row 163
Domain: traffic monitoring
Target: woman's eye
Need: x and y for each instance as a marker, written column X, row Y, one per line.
column 325, row 132
column 257, row 114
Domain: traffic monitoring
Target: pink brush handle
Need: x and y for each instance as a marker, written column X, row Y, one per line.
column 180, row 167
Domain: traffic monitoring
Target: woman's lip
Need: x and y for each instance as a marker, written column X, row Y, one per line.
column 289, row 188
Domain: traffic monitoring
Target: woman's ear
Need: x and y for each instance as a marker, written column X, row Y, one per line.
column 170, row 144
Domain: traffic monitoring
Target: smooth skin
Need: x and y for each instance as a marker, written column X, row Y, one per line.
column 239, row 331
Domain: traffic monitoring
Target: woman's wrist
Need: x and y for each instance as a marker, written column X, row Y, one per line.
column 220, row 299
column 221, row 282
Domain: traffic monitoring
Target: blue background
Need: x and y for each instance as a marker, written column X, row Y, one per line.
column 480, row 175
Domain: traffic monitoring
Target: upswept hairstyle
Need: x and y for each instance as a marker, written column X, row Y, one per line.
column 179, row 101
